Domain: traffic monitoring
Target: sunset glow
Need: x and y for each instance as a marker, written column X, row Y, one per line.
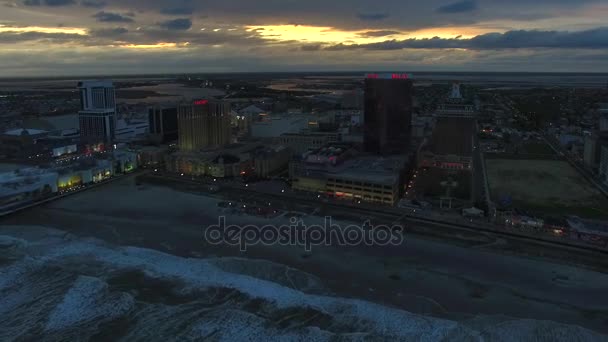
column 153, row 46
column 330, row 35
column 64, row 30
column 246, row 35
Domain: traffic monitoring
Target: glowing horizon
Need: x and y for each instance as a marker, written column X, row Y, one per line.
column 154, row 46
column 40, row 29
column 331, row 35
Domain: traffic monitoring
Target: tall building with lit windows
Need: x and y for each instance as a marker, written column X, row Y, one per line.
column 97, row 115
column 203, row 124
column 388, row 113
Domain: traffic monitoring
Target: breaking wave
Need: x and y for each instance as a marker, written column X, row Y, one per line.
column 58, row 287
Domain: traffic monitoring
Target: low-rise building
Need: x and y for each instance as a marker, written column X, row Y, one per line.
column 21, row 143
column 130, row 130
column 276, row 125
column 152, row 156
column 270, row 161
column 125, row 161
column 26, row 185
column 305, row 141
column 366, row 178
column 230, row 161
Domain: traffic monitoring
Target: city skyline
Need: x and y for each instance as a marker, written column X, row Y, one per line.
column 89, row 37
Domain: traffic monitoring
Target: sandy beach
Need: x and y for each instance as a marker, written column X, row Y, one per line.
column 420, row 276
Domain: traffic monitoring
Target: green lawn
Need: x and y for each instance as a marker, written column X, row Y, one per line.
column 547, row 186
column 536, row 147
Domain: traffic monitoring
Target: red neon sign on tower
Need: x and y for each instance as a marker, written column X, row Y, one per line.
column 201, row 102
column 399, row 76
column 388, row 76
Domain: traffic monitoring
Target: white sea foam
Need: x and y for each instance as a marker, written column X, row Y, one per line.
column 88, row 302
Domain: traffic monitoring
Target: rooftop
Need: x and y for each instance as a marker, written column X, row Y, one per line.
column 29, row 131
column 368, row 168
column 95, row 84
column 378, row 170
column 453, row 136
column 304, row 133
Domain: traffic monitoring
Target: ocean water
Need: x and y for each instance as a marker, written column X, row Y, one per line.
column 54, row 286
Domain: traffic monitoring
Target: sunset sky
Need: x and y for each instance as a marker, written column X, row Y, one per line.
column 86, row 37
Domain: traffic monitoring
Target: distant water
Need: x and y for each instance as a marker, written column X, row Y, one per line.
column 512, row 79
column 521, row 79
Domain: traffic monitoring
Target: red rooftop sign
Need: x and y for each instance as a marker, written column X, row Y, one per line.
column 389, row 76
column 400, row 76
column 201, row 102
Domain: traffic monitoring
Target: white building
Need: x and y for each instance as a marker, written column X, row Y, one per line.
column 127, row 131
column 97, row 115
column 25, row 185
column 455, row 106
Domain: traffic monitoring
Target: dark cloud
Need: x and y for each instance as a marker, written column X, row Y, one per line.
column 177, row 11
column 17, row 37
column 53, row 3
column 311, row 47
column 59, row 2
column 148, row 35
column 595, row 38
column 110, row 17
column 379, row 33
column 589, row 39
column 181, row 24
column 372, row 16
column 344, row 14
column 109, row 32
column 152, row 35
column 458, row 7
column 93, row 3
column 376, row 19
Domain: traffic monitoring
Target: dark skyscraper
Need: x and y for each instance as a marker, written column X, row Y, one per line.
column 163, row 123
column 388, row 113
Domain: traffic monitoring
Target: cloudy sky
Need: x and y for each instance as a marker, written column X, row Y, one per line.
column 86, row 37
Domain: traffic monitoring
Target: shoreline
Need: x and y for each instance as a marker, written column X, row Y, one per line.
column 425, row 277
